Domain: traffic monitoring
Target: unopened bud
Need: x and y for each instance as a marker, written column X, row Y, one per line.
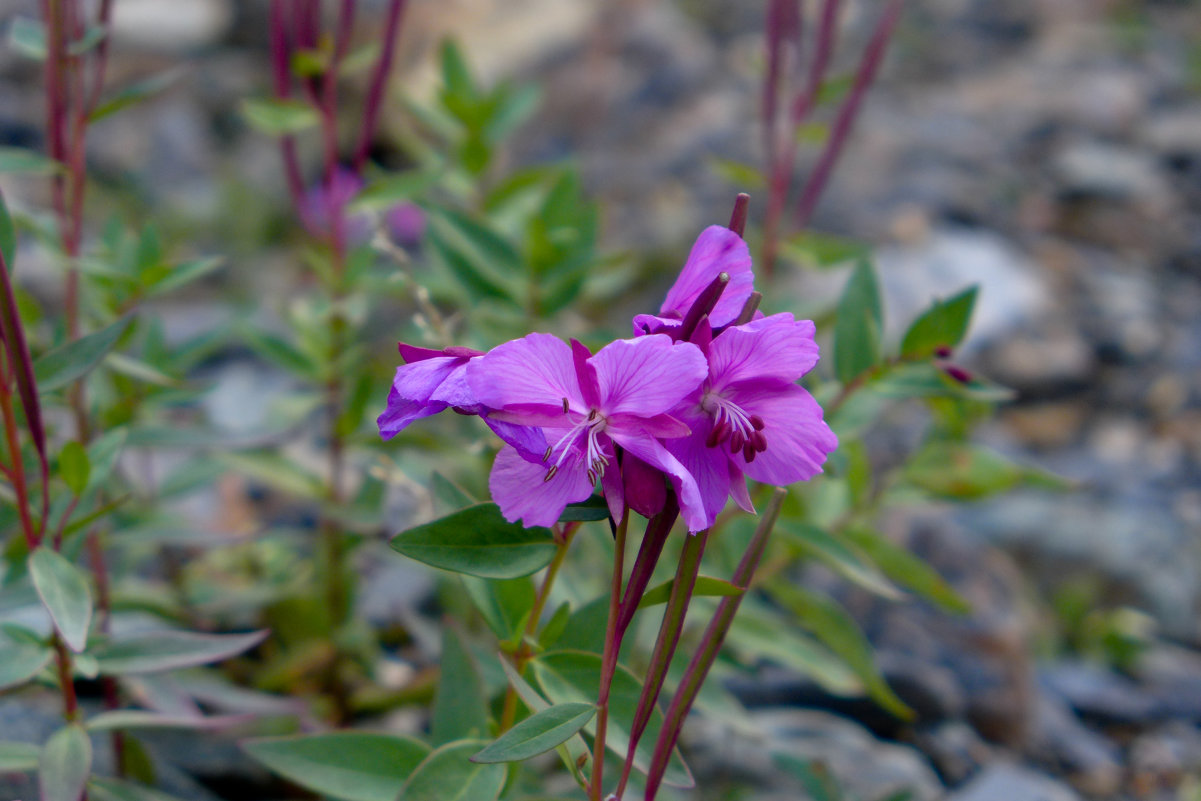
column 957, row 373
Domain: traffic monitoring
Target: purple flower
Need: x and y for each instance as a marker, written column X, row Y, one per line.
column 749, row 417
column 433, row 380
column 406, row 224
column 327, row 202
column 717, row 250
column 586, row 406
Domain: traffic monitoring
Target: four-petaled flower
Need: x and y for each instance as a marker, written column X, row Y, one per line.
column 586, row 406
column 749, row 417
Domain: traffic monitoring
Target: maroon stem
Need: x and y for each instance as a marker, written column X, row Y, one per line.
column 379, row 82
column 715, row 634
column 653, row 540
column 17, row 472
column 613, row 637
column 780, row 169
column 281, row 83
column 738, row 215
column 847, row 113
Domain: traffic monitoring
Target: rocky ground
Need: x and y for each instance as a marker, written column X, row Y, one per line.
column 1049, row 150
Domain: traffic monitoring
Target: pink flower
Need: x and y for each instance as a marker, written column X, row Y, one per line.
column 749, row 417
column 587, row 406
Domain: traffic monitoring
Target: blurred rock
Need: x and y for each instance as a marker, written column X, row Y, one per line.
column 180, row 25
column 1007, row 782
column 1111, row 172
column 955, row 749
column 1098, row 694
column 1061, row 743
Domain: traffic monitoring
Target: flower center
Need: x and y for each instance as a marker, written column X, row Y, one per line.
column 731, row 423
column 588, row 429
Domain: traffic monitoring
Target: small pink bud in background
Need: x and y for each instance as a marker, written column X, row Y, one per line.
column 957, row 373
column 943, row 351
column 405, row 223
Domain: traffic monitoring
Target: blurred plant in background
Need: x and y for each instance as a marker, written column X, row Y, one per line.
column 440, row 244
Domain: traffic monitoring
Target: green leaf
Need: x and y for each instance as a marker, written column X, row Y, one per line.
column 927, row 380
column 837, row 555
column 858, row 324
column 817, row 249
column 28, row 37
column 448, row 496
column 103, row 454
column 705, row 585
column 185, row 273
column 273, row 469
column 504, row 603
column 124, row 719
column 352, row 766
column 64, row 591
column 834, row 626
column 21, row 661
column 8, row 236
column 944, row 324
column 745, row 177
column 18, row 159
column 389, row 190
column 139, row 370
column 65, row 763
column 594, row 508
column 74, row 467
column 279, row 117
column 961, row 471
column 460, row 711
column 135, row 93
column 153, row 652
column 64, row 364
column 482, row 260
column 448, row 774
column 574, row 677
column 762, row 633
column 478, row 541
column 908, row 570
column 538, row 733
column 104, row 788
column 18, row 757
column 280, row 352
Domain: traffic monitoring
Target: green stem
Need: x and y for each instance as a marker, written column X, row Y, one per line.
column 665, row 645
column 702, row 660
column 609, row 659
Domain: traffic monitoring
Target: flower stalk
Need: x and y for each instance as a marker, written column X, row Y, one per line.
column 613, row 637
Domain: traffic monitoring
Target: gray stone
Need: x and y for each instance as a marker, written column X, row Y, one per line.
column 1061, row 743
column 1110, row 171
column 1098, row 693
column 1008, row 782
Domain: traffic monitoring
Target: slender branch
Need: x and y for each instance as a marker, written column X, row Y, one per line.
column 665, row 645
column 62, row 658
column 715, row 634
column 847, row 113
column 281, row 82
column 609, row 659
column 379, row 81
column 18, row 466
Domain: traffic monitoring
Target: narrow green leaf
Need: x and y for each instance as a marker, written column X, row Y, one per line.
column 273, row 469
column 65, row 763
column 64, row 591
column 858, row 324
column 18, row 757
column 574, row 677
column 705, row 585
column 764, row 633
column 840, row 557
column 820, row 250
column 139, row 370
column 64, row 364
column 961, row 471
column 389, row 190
column 835, row 627
column 279, row 117
column 27, row 37
column 480, row 542
column 448, row 774
column 944, row 324
column 908, row 570
column 74, row 467
column 352, row 766
column 186, row 273
column 448, row 496
column 538, row 733
column 152, row 652
column 8, row 236
column 504, row 603
column 104, row 788
column 594, row 508
column 103, row 454
column 460, row 711
column 135, row 93
column 125, row 719
column 18, row 159
column 21, row 661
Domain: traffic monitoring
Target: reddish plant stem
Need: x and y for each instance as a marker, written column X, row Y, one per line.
column 710, row 645
column 18, row 467
column 847, row 113
column 738, row 215
column 62, row 658
column 665, row 646
column 781, row 167
column 613, row 636
column 281, row 81
column 379, row 82
column 651, row 547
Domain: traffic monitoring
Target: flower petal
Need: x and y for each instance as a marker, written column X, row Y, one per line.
column 798, row 439
column 651, row 451
column 717, row 250
column 521, row 490
column 400, row 412
column 530, row 441
column 537, row 368
column 710, row 467
column 411, row 395
column 779, row 347
column 645, row 487
column 647, row 376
